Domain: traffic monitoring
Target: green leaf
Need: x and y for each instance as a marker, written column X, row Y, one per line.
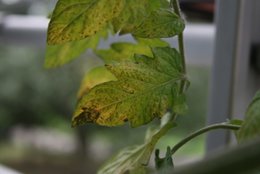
column 251, row 126
column 78, row 19
column 94, row 77
column 146, row 88
column 162, row 23
column 125, row 51
column 133, row 159
column 134, row 12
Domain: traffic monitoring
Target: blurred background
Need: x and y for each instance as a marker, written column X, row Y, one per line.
column 36, row 104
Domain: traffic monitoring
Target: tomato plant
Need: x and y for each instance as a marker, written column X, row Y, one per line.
column 139, row 81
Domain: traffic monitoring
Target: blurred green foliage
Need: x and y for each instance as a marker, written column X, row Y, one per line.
column 31, row 95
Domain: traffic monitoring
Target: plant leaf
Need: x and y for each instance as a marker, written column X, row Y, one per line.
column 57, row 55
column 162, row 23
column 94, row 77
column 136, row 157
column 78, row 19
column 251, row 126
column 134, row 12
column 145, row 89
column 125, row 50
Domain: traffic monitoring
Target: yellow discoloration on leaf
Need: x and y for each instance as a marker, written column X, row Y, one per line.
column 143, row 90
column 94, row 77
column 78, row 19
column 160, row 24
column 57, row 55
column 134, row 12
column 126, row 51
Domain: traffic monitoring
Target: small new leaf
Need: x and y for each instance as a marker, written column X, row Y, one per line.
column 251, row 126
column 134, row 159
column 161, row 23
column 78, row 19
column 145, row 88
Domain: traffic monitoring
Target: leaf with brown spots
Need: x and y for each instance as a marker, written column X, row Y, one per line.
column 161, row 23
column 134, row 12
column 77, row 19
column 57, row 55
column 94, row 77
column 145, row 88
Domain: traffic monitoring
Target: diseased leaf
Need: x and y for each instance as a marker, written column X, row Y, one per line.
column 134, row 12
column 145, row 88
column 77, row 19
column 57, row 55
column 251, row 126
column 125, row 50
column 94, row 77
column 122, row 51
column 133, row 159
column 160, row 24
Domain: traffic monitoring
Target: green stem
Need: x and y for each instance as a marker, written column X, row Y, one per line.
column 176, row 8
column 201, row 131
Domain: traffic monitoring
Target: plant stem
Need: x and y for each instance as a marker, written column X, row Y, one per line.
column 201, row 131
column 176, row 8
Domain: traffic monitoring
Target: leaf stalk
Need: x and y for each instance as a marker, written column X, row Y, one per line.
column 224, row 125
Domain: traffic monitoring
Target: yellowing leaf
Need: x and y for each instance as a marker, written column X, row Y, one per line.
column 251, row 125
column 57, row 55
column 78, row 19
column 133, row 159
column 160, row 24
column 125, row 51
column 145, row 89
column 94, row 77
column 134, row 12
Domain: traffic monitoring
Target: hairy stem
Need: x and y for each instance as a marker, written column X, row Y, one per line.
column 202, row 131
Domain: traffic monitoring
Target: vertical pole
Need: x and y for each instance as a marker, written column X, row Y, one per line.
column 220, row 103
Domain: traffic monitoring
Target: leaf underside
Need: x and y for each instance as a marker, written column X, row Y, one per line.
column 144, row 89
column 251, row 125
